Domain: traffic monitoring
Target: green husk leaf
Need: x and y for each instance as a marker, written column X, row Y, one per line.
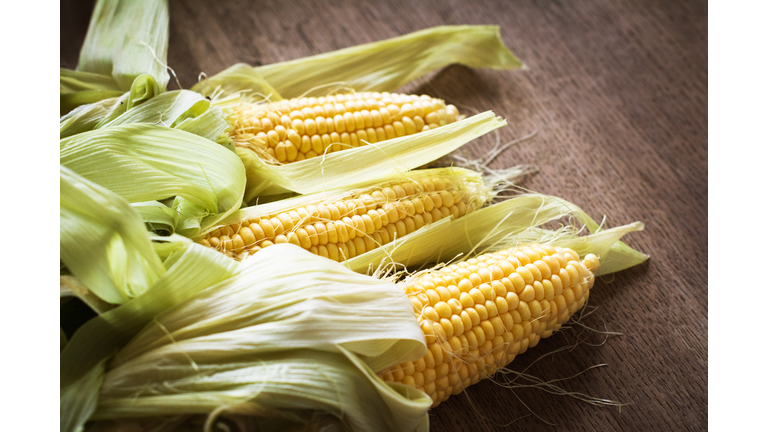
column 82, row 360
column 75, row 81
column 70, row 101
column 212, row 124
column 103, row 241
column 143, row 88
column 360, row 164
column 97, row 114
column 182, row 109
column 237, row 78
column 126, row 39
column 620, row 257
column 272, row 338
column 288, row 389
column 311, row 304
column 87, row 117
column 163, row 109
column 62, row 339
column 70, row 286
column 196, row 269
column 501, row 226
column 77, row 400
column 614, row 255
column 152, row 163
column 378, row 66
column 164, row 219
column 170, row 248
column 157, row 216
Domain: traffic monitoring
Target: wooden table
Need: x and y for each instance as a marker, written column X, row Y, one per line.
column 618, row 94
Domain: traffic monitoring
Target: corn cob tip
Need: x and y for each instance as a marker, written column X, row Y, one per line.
column 592, row 262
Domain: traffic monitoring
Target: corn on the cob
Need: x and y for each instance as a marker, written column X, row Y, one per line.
column 296, row 129
column 350, row 226
column 477, row 315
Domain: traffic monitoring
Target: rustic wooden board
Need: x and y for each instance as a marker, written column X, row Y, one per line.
column 618, row 93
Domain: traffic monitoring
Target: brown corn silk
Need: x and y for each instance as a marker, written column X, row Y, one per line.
column 358, row 221
column 292, row 130
column 478, row 314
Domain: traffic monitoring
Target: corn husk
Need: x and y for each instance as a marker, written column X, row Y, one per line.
column 103, row 241
column 62, row 339
column 81, row 88
column 126, row 39
column 84, row 357
column 378, row 66
column 142, row 162
column 78, row 400
column 71, row 287
column 361, row 164
column 501, row 226
column 96, row 115
column 86, row 117
column 273, row 342
column 241, row 346
column 71, row 81
column 164, row 109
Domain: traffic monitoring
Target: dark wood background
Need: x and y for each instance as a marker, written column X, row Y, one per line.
column 618, row 93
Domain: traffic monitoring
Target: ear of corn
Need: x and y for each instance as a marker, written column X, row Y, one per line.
column 477, row 315
column 379, row 66
column 361, row 164
column 343, row 224
column 296, row 129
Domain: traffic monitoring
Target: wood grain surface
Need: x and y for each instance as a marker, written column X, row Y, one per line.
column 618, row 94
